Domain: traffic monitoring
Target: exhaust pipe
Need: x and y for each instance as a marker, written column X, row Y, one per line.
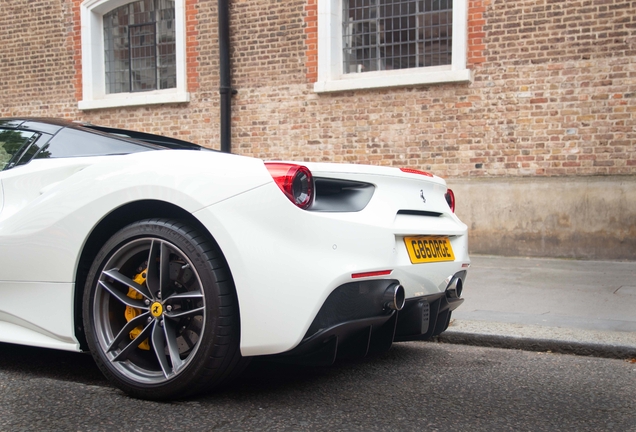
column 454, row 288
column 394, row 297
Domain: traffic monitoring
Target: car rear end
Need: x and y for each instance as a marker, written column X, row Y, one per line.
column 410, row 294
column 342, row 259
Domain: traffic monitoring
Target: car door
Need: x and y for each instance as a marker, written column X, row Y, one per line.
column 22, row 320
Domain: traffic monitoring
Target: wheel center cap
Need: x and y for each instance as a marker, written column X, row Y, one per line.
column 156, row 309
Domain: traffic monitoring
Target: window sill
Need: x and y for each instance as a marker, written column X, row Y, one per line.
column 387, row 79
column 134, row 99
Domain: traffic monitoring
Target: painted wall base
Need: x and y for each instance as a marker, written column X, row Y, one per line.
column 565, row 217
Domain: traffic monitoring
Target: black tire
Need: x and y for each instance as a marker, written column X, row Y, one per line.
column 158, row 337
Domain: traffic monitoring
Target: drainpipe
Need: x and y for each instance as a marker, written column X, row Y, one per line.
column 225, row 85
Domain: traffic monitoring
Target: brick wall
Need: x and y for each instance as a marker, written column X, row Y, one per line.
column 554, row 89
column 554, row 94
column 36, row 58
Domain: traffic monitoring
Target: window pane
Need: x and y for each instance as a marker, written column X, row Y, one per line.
column 396, row 34
column 166, row 46
column 142, row 57
column 12, row 144
column 74, row 143
column 140, row 50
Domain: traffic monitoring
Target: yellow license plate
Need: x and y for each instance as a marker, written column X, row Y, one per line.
column 423, row 249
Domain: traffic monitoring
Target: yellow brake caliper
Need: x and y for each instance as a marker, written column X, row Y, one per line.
column 132, row 312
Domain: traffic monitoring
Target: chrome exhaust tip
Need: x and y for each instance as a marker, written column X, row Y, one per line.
column 454, row 289
column 394, row 297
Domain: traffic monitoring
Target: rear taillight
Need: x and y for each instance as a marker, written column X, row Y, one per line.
column 450, row 199
column 295, row 181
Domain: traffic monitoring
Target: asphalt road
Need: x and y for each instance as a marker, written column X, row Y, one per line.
column 416, row 386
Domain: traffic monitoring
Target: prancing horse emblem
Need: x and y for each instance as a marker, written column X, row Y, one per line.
column 422, row 196
column 156, row 309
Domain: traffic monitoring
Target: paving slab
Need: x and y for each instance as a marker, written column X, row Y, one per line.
column 580, row 307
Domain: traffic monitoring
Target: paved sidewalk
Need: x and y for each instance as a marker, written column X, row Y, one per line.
column 580, row 307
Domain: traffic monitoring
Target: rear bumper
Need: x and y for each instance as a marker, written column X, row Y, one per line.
column 355, row 322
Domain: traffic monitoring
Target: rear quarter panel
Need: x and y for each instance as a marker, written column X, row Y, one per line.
column 51, row 207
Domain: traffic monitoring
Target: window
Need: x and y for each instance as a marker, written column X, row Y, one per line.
column 386, row 43
column 70, row 142
column 133, row 53
column 139, row 45
column 13, row 144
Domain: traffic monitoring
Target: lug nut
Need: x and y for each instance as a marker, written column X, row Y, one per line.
column 169, row 308
column 147, row 302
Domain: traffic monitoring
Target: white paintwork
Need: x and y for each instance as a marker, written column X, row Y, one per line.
column 52, row 205
column 331, row 77
column 37, row 312
column 61, row 219
column 285, row 261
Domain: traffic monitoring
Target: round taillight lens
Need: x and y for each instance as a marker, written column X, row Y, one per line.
column 450, row 199
column 295, row 181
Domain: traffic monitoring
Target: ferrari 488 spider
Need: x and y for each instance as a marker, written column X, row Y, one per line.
column 174, row 264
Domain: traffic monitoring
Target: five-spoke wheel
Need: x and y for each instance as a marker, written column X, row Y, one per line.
column 160, row 311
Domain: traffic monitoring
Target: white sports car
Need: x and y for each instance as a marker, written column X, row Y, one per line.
column 174, row 264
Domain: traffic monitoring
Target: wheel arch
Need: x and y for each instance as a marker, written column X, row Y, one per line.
column 106, row 228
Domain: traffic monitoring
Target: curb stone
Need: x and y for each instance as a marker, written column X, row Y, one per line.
column 528, row 337
column 589, row 349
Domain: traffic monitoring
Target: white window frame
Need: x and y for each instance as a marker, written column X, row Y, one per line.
column 330, row 61
column 93, row 69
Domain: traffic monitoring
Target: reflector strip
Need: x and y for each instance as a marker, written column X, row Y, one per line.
column 415, row 171
column 370, row 274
